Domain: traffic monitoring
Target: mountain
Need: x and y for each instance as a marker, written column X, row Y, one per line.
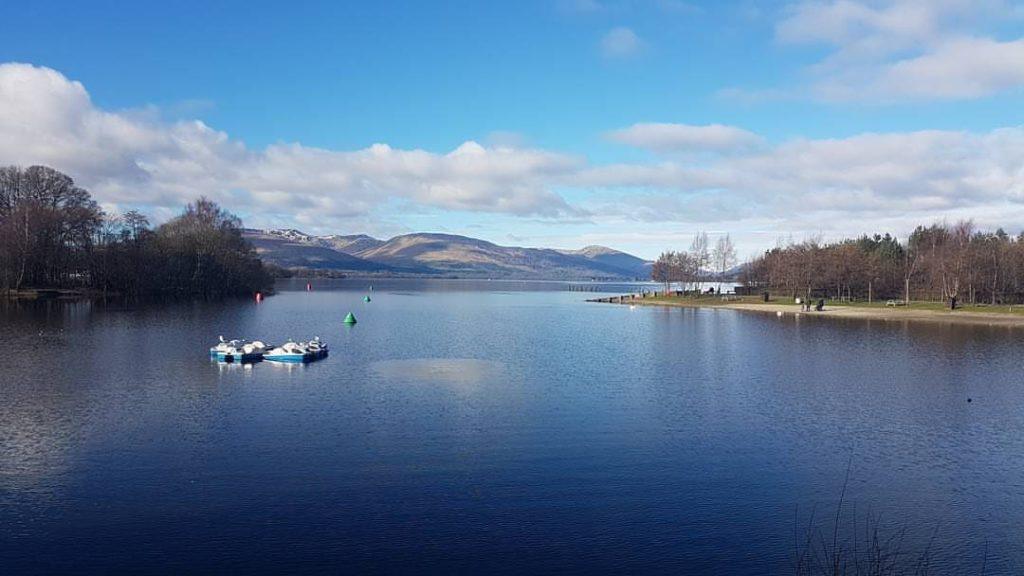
column 294, row 249
column 351, row 244
column 637, row 267
column 442, row 254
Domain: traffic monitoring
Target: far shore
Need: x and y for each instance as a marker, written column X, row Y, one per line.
column 50, row 293
column 931, row 312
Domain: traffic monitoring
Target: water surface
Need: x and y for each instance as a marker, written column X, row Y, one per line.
column 495, row 427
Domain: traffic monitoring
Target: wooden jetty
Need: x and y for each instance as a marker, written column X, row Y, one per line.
column 625, row 298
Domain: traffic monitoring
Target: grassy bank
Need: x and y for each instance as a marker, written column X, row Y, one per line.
column 934, row 312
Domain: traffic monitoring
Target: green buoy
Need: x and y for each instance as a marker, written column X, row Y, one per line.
column 366, row 298
column 350, row 319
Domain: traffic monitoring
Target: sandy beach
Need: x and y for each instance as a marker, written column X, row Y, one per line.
column 889, row 314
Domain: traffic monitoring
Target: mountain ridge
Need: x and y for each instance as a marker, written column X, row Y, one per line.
column 440, row 254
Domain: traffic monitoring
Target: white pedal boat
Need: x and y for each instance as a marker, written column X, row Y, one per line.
column 292, row 351
column 318, row 348
column 238, row 351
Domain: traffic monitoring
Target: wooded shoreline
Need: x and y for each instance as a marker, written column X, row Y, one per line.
column 56, row 242
column 49, row 294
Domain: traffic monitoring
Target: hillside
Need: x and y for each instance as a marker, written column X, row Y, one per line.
column 293, row 249
column 442, row 254
column 609, row 256
column 351, row 244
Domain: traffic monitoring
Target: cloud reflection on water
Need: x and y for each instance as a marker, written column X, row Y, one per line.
column 464, row 375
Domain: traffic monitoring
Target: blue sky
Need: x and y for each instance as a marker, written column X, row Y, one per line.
column 628, row 123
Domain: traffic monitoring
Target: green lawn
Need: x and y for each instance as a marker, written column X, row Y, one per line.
column 716, row 300
column 932, row 305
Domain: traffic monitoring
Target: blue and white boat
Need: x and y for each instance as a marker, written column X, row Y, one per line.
column 238, row 351
column 317, row 347
column 292, row 351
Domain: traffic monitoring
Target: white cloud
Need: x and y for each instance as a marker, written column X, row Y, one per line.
column 961, row 68
column 854, row 183
column 621, row 42
column 136, row 159
column 866, row 182
column 664, row 137
column 866, row 27
column 900, row 50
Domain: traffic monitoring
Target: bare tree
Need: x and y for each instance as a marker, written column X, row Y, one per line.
column 724, row 257
column 996, row 244
column 661, row 271
column 953, row 264
column 701, row 258
column 942, row 262
column 135, row 223
column 684, row 269
column 54, row 235
column 47, row 225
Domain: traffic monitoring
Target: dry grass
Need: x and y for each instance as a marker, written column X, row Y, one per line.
column 866, row 550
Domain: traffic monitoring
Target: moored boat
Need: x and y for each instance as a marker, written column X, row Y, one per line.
column 290, row 351
column 317, row 347
column 238, row 350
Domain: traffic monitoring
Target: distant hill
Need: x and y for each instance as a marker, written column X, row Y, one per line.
column 637, row 267
column 351, row 244
column 441, row 254
column 293, row 249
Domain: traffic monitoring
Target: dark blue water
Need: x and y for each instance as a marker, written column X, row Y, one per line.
column 496, row 428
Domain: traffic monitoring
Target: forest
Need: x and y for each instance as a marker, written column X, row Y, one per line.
column 54, row 235
column 951, row 263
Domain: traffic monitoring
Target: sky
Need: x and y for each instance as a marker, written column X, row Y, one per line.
column 555, row 123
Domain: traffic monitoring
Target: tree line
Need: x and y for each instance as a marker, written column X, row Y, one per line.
column 54, row 235
column 952, row 263
column 701, row 264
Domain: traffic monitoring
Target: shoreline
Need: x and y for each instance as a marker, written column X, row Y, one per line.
column 53, row 294
column 892, row 314
column 79, row 294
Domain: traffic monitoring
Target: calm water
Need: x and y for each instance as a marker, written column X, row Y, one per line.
column 493, row 427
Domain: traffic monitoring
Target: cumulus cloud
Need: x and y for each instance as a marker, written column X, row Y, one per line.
column 857, row 181
column 136, row 159
column 898, row 50
column 621, row 42
column 865, row 182
column 858, row 27
column 957, row 69
column 663, row 137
